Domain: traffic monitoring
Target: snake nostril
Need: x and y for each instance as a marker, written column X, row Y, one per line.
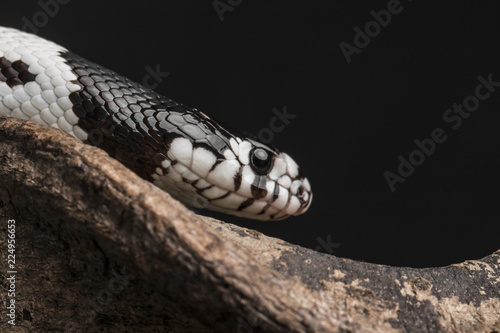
column 300, row 192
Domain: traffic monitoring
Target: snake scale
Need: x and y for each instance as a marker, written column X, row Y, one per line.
column 178, row 148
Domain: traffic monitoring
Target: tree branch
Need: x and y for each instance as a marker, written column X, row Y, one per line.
column 99, row 249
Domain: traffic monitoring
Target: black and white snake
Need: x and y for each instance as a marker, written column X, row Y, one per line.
column 178, row 148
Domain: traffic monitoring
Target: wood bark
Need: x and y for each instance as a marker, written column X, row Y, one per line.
column 100, row 250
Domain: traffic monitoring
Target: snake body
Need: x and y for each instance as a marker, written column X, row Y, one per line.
column 178, row 148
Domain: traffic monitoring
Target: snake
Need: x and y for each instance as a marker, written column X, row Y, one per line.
column 176, row 147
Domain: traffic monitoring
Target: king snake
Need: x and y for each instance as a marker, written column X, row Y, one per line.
column 176, row 147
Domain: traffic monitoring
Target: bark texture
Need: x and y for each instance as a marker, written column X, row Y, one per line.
column 100, row 250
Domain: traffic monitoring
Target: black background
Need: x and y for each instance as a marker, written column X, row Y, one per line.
column 353, row 120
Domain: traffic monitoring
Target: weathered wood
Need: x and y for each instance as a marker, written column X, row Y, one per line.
column 99, row 249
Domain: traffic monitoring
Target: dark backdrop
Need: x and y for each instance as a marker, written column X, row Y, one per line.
column 353, row 119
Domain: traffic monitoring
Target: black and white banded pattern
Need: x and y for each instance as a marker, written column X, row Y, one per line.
column 178, row 148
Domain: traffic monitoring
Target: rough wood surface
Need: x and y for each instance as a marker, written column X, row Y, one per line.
column 101, row 250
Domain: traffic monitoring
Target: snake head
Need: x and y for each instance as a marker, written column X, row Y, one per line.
column 243, row 177
column 268, row 184
column 208, row 167
column 277, row 186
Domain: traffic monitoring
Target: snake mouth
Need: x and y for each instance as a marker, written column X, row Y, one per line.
column 299, row 201
column 285, row 201
column 281, row 204
column 278, row 204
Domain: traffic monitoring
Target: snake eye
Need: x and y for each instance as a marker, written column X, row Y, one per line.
column 260, row 160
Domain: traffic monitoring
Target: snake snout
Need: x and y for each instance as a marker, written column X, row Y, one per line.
column 295, row 193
